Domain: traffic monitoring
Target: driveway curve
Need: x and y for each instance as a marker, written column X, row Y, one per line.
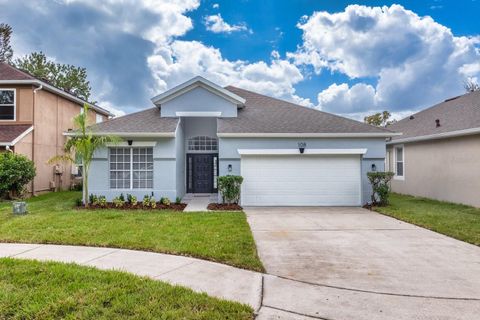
column 351, row 257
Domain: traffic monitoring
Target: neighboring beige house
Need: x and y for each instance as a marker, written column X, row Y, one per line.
column 33, row 117
column 438, row 155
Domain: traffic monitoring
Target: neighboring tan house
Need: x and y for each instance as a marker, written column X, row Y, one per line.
column 438, row 155
column 199, row 130
column 33, row 116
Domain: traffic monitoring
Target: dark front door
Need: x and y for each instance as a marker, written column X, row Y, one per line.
column 200, row 172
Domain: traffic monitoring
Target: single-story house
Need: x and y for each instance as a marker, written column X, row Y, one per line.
column 198, row 131
column 438, row 154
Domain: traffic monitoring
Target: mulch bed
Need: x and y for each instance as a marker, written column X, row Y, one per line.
column 139, row 206
column 224, row 207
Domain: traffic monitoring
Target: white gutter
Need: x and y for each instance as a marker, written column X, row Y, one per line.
column 444, row 135
column 59, row 92
column 309, row 135
column 128, row 134
column 20, row 137
column 250, row 152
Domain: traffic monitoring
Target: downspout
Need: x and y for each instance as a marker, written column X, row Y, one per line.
column 33, row 132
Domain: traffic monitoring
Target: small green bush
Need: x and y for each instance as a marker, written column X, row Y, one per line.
column 79, row 202
column 16, row 171
column 92, row 199
column 122, row 197
column 165, row 201
column 380, row 187
column 118, row 202
column 102, row 201
column 178, row 200
column 229, row 187
column 146, row 201
column 153, row 202
column 133, row 201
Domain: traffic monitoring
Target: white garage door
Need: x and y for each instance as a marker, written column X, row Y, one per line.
column 301, row 180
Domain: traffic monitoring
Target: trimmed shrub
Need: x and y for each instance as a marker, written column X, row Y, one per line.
column 380, row 187
column 229, row 187
column 16, row 171
column 165, row 201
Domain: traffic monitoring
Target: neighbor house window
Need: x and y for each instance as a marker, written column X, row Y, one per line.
column 7, row 104
column 131, row 168
column 399, row 162
column 98, row 118
column 202, row 143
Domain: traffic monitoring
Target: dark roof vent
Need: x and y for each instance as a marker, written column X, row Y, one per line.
column 437, row 122
column 452, row 98
column 412, row 117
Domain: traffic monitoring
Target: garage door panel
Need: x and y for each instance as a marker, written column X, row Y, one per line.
column 301, row 180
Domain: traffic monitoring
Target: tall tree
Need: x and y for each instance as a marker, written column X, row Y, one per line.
column 65, row 76
column 6, row 51
column 470, row 85
column 83, row 145
column 379, row 119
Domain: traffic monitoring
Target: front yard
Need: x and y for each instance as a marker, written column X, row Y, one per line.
column 454, row 220
column 223, row 237
column 39, row 290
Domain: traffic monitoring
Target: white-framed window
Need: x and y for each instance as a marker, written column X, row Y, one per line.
column 202, row 143
column 98, row 118
column 399, row 162
column 131, row 168
column 7, row 104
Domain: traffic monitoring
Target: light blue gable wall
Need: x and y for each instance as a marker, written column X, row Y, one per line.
column 198, row 99
column 200, row 127
column 164, row 170
column 228, row 153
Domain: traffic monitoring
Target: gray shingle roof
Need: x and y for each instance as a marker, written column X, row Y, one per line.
column 10, row 132
column 458, row 113
column 263, row 114
column 145, row 121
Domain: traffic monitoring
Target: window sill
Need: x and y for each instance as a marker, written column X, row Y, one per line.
column 401, row 178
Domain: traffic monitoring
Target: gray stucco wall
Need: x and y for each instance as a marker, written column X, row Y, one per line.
column 444, row 169
column 180, row 159
column 228, row 154
column 164, row 170
column 198, row 99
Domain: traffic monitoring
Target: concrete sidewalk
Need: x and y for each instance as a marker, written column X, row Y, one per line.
column 272, row 297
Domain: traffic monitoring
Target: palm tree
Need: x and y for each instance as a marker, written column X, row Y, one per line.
column 83, row 145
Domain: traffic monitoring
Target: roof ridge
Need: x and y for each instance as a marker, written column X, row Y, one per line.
column 313, row 109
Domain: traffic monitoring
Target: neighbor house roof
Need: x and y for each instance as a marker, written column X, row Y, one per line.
column 146, row 123
column 10, row 75
column 456, row 117
column 10, row 134
column 267, row 116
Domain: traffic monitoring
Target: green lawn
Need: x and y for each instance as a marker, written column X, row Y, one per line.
column 454, row 220
column 224, row 237
column 39, row 290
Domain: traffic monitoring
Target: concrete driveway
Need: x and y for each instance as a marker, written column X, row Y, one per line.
column 371, row 263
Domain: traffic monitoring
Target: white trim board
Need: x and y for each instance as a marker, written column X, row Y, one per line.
column 443, row 135
column 198, row 113
column 309, row 135
column 129, row 134
column 134, row 144
column 17, row 139
column 247, row 152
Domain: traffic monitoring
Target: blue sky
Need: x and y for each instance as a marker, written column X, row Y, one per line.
column 349, row 58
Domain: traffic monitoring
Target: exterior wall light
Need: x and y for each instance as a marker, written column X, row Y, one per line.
column 374, row 167
column 130, row 142
column 229, row 168
column 301, row 146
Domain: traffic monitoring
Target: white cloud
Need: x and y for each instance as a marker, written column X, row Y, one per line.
column 215, row 6
column 182, row 60
column 415, row 60
column 216, row 24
